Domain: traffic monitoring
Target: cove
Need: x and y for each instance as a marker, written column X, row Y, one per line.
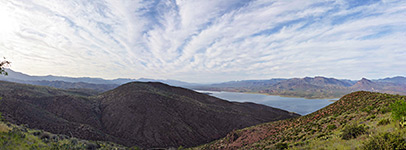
column 298, row 105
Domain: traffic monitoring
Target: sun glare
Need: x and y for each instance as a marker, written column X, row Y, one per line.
column 7, row 22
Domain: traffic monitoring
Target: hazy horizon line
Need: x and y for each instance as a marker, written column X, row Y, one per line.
column 147, row 78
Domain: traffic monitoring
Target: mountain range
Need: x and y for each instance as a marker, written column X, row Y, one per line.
column 308, row 87
column 143, row 114
column 311, row 87
column 84, row 82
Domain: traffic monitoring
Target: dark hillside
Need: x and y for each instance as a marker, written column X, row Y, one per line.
column 143, row 114
column 158, row 115
column 54, row 110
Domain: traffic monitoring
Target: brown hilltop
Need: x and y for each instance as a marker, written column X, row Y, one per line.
column 148, row 115
column 365, row 84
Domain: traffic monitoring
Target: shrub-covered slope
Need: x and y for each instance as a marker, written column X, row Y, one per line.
column 21, row 138
column 358, row 120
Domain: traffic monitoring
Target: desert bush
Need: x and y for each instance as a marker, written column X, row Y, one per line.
column 385, row 141
column 62, row 137
column 45, row 137
column 15, row 132
column 399, row 111
column 281, row 146
column 37, row 133
column 134, row 148
column 367, row 109
column 92, row 146
column 74, row 141
column 54, row 138
column 353, row 131
column 384, row 110
column 331, row 127
column 371, row 117
column 383, row 122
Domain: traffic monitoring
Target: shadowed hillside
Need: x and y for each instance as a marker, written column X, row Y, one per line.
column 143, row 114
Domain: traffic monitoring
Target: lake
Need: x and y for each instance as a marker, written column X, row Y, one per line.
column 298, row 105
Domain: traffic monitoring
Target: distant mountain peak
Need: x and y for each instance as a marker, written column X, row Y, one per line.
column 364, row 81
column 365, row 84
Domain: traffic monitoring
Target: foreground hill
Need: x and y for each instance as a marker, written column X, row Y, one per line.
column 148, row 115
column 357, row 120
column 308, row 87
column 19, row 137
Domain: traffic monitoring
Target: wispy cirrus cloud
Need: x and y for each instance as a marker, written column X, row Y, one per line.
column 205, row 40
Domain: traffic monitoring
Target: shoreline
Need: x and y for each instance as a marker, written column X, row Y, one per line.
column 332, row 98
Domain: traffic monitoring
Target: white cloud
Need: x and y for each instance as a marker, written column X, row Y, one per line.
column 204, row 40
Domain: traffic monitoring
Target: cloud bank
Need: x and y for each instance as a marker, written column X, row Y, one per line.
column 205, row 40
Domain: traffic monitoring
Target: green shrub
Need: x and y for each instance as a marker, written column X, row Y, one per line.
column 74, row 142
column 399, row 111
column 383, row 122
column 367, row 109
column 45, row 137
column 281, row 146
column 91, row 146
column 353, row 131
column 134, row 148
column 331, row 127
column 371, row 117
column 384, row 110
column 385, row 141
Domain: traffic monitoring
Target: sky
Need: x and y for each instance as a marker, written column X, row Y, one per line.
column 205, row 41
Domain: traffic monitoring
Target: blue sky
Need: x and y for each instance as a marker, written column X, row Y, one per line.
column 205, row 40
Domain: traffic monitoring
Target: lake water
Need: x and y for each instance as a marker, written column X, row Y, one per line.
column 301, row 106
